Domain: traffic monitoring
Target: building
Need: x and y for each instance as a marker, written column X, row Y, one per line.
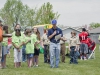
column 94, row 34
column 67, row 32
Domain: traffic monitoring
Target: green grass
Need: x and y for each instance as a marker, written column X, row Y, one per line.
column 88, row 67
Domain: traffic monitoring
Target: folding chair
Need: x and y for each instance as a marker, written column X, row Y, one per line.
column 92, row 55
column 99, row 47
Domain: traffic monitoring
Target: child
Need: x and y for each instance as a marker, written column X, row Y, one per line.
column 9, row 45
column 37, row 46
column 4, row 47
column 17, row 42
column 29, row 41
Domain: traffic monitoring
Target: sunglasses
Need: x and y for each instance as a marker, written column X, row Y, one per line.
column 17, row 30
column 29, row 32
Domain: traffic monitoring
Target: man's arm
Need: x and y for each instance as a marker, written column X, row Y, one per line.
column 63, row 39
column 50, row 36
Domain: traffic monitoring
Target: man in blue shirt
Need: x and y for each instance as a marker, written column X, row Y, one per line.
column 55, row 44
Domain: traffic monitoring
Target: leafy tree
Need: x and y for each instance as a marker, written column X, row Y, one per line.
column 45, row 14
column 14, row 11
column 95, row 25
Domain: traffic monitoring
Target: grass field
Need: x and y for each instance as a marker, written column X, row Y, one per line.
column 87, row 67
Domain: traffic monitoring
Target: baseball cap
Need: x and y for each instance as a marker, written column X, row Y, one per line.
column 54, row 22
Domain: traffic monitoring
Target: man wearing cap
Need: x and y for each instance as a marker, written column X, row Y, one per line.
column 55, row 44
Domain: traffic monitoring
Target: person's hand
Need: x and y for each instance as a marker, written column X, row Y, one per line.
column 23, row 43
column 18, row 50
column 54, row 33
column 17, row 47
column 29, row 40
column 38, row 42
column 42, row 46
column 64, row 39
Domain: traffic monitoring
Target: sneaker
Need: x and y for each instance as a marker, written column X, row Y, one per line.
column 85, row 58
column 36, row 65
column 56, row 67
column 51, row 67
column 81, row 58
column 70, row 62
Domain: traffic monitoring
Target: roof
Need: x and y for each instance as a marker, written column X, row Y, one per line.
column 71, row 28
column 96, row 30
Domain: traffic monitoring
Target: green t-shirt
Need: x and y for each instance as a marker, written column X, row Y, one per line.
column 30, row 45
column 5, row 42
column 38, row 45
column 17, row 40
column 22, row 34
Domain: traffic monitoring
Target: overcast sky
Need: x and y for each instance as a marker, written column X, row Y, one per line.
column 72, row 12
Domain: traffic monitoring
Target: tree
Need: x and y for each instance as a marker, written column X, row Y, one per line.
column 95, row 25
column 45, row 14
column 14, row 11
column 11, row 13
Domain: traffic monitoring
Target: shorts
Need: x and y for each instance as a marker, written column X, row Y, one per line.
column 9, row 46
column 83, row 48
column 36, row 51
column 17, row 55
column 29, row 56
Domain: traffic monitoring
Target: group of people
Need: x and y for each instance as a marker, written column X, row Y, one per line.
column 27, row 45
column 27, row 41
column 80, row 46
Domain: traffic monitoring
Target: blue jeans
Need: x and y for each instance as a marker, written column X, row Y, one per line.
column 73, row 55
column 23, row 53
column 2, row 59
column 54, row 54
column 4, row 52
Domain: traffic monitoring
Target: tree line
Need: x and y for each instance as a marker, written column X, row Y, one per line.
column 14, row 11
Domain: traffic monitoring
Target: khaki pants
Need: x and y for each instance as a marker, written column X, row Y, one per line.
column 63, row 49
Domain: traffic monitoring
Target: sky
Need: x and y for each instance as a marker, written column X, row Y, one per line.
column 72, row 12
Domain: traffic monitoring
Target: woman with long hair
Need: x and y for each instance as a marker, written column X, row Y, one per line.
column 46, row 43
column 37, row 47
